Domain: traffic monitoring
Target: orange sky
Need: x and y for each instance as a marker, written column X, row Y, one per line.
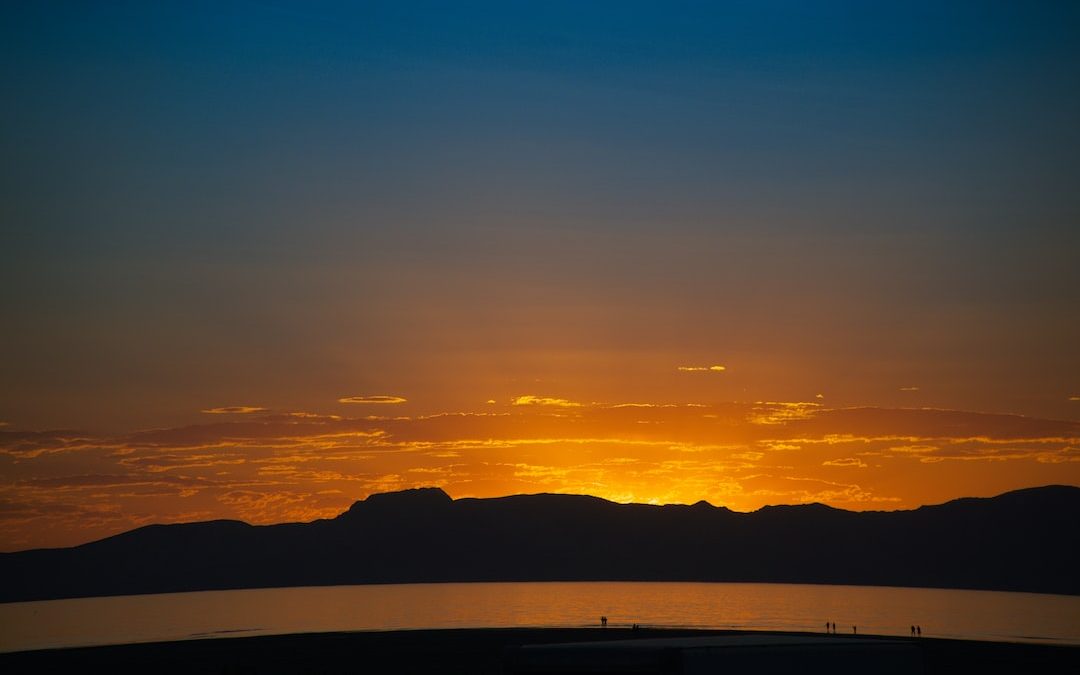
column 260, row 260
column 64, row 488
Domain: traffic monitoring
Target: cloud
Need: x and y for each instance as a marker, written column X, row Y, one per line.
column 912, row 449
column 780, row 446
column 112, row 480
column 31, row 444
column 313, row 416
column 372, row 399
column 925, row 423
column 276, row 506
column 544, row 400
column 269, row 431
column 782, row 412
column 806, row 490
column 750, row 455
column 909, row 389
column 701, row 369
column 846, row 461
column 1069, row 454
column 233, row 410
column 1074, row 398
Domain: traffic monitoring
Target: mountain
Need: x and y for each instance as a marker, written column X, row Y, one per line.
column 1019, row 541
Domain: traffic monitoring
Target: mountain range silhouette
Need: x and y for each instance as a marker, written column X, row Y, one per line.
column 1024, row 540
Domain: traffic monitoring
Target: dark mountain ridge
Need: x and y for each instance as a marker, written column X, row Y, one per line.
column 1019, row 541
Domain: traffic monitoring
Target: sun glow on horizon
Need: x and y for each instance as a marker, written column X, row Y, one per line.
column 279, row 467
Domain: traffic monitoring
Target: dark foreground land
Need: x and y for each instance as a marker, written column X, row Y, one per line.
column 1013, row 542
column 480, row 652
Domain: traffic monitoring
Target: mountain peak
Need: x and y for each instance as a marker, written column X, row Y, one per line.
column 414, row 498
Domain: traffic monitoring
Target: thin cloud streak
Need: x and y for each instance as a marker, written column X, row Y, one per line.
column 544, row 401
column 376, row 400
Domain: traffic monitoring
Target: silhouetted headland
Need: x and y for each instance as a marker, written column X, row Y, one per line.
column 1019, row 541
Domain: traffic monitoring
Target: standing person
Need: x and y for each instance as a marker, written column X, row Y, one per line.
column 912, row 630
column 918, row 630
column 854, row 630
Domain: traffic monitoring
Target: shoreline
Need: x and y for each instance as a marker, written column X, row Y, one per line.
column 475, row 650
column 603, row 580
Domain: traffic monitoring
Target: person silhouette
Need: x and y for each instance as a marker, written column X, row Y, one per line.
column 854, row 630
column 603, row 622
column 826, row 626
column 918, row 630
column 912, row 630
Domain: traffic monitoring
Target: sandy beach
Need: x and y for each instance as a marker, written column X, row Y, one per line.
column 463, row 651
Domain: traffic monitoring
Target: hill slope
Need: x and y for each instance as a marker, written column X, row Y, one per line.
column 1021, row 541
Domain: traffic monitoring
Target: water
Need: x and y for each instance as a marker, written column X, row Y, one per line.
column 979, row 615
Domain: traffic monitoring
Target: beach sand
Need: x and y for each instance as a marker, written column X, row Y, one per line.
column 477, row 651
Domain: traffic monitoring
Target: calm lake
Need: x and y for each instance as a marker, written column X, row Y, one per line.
column 981, row 615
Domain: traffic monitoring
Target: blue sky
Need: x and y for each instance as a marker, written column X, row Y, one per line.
column 283, row 203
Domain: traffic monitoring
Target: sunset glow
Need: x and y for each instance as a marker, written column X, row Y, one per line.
column 261, row 261
column 274, row 467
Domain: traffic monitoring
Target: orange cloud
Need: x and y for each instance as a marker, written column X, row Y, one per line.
column 701, row 369
column 233, row 410
column 781, row 412
column 845, row 461
column 307, row 415
column 372, row 399
column 544, row 400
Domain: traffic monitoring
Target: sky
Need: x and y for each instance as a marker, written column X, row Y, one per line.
column 262, row 259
